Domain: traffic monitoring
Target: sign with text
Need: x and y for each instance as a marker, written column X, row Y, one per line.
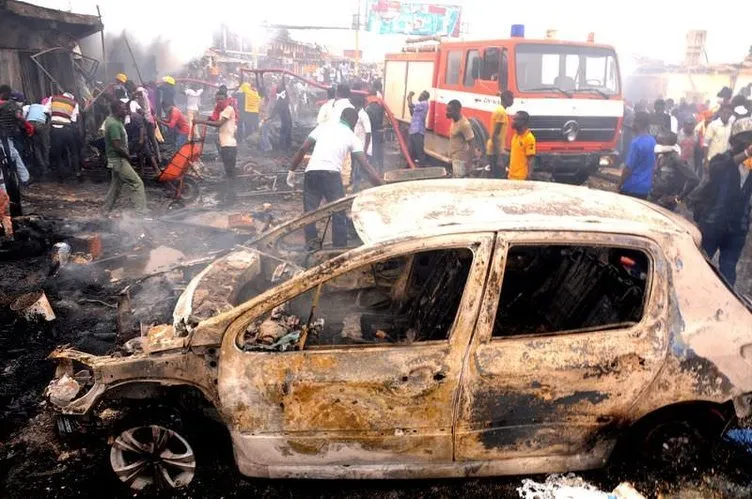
column 389, row 17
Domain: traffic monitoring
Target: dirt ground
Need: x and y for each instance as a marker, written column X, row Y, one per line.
column 35, row 462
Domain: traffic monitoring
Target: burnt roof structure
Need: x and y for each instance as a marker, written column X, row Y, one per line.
column 36, row 48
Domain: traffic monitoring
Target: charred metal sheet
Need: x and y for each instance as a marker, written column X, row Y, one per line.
column 422, row 207
column 177, row 368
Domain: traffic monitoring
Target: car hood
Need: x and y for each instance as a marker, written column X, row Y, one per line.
column 223, row 285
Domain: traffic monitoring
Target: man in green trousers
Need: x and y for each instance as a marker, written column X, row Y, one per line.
column 123, row 175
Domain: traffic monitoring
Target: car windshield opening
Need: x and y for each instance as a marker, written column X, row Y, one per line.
column 567, row 68
column 291, row 242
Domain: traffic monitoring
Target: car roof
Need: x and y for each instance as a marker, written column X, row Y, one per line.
column 431, row 207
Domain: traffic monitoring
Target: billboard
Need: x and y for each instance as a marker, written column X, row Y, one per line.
column 388, row 17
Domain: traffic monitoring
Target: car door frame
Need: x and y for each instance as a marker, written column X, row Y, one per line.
column 255, row 388
column 538, row 447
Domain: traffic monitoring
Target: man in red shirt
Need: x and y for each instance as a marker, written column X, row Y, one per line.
column 176, row 122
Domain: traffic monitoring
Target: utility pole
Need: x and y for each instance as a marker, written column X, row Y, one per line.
column 357, row 39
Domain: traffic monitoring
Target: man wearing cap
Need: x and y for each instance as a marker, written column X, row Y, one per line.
column 119, row 83
column 64, row 141
column 724, row 97
column 722, row 204
column 166, row 91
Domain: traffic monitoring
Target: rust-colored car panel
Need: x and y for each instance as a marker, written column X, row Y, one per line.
column 475, row 403
column 352, row 405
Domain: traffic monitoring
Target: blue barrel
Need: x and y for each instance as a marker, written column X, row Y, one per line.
column 518, row 31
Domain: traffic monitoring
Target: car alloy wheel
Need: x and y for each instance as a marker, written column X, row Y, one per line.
column 152, row 457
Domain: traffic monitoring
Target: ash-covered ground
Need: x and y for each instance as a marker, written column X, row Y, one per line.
column 35, row 462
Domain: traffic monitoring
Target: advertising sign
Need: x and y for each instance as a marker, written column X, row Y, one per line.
column 388, row 17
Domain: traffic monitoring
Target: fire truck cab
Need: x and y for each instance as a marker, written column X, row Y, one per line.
column 572, row 91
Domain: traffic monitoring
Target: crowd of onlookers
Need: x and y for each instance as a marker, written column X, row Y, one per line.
column 700, row 156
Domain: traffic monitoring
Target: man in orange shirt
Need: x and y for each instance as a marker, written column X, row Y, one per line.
column 522, row 152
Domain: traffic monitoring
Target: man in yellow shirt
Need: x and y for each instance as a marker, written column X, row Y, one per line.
column 251, row 108
column 522, row 152
column 499, row 126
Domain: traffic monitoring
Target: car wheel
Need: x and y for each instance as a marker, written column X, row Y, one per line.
column 675, row 444
column 153, row 456
column 151, row 448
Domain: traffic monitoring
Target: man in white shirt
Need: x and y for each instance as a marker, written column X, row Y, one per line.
column 717, row 135
column 331, row 144
column 362, row 131
column 193, row 100
column 228, row 145
column 327, row 109
column 341, row 102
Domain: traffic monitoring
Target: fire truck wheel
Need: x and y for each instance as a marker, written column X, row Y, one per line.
column 479, row 149
column 577, row 178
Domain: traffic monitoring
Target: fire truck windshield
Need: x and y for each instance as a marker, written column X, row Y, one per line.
column 566, row 69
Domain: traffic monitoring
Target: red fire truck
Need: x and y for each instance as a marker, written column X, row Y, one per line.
column 571, row 90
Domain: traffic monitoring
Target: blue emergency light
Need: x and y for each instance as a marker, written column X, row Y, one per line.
column 518, row 31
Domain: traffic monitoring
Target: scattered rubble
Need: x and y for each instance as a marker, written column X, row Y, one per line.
column 571, row 486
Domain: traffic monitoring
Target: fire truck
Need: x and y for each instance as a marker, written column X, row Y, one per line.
column 572, row 91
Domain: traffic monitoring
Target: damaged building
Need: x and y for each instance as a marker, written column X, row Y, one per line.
column 39, row 52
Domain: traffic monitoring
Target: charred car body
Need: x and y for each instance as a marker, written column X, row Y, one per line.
column 477, row 328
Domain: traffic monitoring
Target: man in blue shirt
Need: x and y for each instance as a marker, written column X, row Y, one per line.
column 38, row 117
column 637, row 174
column 417, row 131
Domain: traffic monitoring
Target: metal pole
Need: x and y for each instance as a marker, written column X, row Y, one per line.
column 357, row 41
column 133, row 58
column 104, row 51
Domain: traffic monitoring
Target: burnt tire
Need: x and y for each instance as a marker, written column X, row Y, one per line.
column 674, row 442
column 677, row 444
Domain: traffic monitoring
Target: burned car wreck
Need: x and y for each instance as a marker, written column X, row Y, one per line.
column 472, row 328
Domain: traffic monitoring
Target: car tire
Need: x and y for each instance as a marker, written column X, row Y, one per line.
column 151, row 450
column 678, row 444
